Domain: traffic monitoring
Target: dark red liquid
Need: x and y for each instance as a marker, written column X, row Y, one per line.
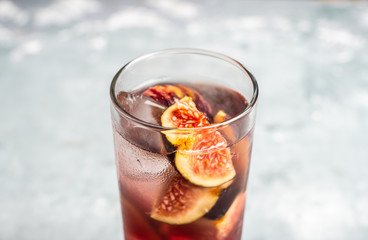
column 145, row 167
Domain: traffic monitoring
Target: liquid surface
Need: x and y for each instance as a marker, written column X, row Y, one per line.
column 148, row 110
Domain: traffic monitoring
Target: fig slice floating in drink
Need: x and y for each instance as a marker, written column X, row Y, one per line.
column 169, row 94
column 182, row 114
column 205, row 160
column 202, row 156
column 184, row 202
column 165, row 94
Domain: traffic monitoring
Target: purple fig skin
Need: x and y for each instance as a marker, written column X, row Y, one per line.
column 169, row 94
column 164, row 94
column 201, row 103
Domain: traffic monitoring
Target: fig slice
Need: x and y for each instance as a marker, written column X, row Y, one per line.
column 202, row 156
column 205, row 160
column 182, row 114
column 165, row 94
column 169, row 94
column 184, row 202
column 199, row 100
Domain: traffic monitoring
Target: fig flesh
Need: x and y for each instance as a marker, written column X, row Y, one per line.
column 198, row 99
column 202, row 157
column 228, row 227
column 182, row 114
column 184, row 202
column 205, row 160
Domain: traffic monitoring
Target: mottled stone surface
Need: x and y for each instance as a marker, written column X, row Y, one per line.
column 309, row 170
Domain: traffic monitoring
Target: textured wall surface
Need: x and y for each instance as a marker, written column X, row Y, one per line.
column 308, row 175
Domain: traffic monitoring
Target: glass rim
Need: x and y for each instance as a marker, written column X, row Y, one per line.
column 208, row 53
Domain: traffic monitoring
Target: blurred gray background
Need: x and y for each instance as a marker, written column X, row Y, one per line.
column 308, row 176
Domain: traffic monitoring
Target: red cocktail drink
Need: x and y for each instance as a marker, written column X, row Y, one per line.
column 183, row 139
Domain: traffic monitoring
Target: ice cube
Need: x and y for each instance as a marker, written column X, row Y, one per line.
column 141, row 173
column 147, row 110
column 141, row 107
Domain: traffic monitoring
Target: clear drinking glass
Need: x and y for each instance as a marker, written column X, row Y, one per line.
column 183, row 123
